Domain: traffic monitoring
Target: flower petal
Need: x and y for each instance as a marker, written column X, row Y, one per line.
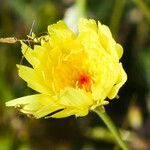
column 34, row 79
column 120, row 81
column 108, row 42
column 75, row 101
column 70, row 111
column 78, row 98
column 36, row 55
column 28, row 54
column 104, row 30
column 86, row 25
column 60, row 35
column 63, row 113
column 37, row 105
column 119, row 50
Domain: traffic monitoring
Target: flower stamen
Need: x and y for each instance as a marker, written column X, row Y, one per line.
column 85, row 82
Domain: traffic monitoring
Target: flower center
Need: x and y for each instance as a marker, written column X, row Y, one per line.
column 84, row 81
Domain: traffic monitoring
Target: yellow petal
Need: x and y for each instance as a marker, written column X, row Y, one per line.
column 122, row 77
column 75, row 101
column 39, row 51
column 104, row 30
column 108, row 42
column 89, row 39
column 61, row 30
column 34, row 79
column 48, row 109
column 28, row 54
column 60, row 35
column 35, row 56
column 63, row 113
column 70, row 111
column 86, row 25
column 77, row 98
column 37, row 105
column 119, row 50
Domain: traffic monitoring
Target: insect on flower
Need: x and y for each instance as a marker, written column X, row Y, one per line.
column 73, row 73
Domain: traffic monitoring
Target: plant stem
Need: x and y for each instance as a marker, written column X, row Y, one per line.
column 117, row 13
column 106, row 119
column 81, row 6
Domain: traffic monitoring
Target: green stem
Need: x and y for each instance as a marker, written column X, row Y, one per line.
column 116, row 16
column 81, row 6
column 106, row 119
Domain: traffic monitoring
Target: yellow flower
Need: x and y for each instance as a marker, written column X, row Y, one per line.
column 73, row 73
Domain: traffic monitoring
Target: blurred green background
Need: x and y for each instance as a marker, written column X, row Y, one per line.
column 129, row 21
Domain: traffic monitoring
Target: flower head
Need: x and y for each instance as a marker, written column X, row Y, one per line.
column 73, row 73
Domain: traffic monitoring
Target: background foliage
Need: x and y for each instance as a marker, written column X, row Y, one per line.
column 129, row 20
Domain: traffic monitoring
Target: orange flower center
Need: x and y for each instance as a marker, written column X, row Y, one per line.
column 84, row 81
